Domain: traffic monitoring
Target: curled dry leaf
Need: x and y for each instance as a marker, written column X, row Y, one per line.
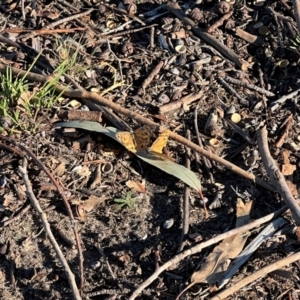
column 218, row 260
column 137, row 186
column 92, row 202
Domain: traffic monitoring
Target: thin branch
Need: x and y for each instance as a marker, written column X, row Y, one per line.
column 296, row 4
column 36, row 205
column 276, row 176
column 186, row 200
column 66, row 203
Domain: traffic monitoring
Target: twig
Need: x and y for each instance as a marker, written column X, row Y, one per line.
column 203, row 245
column 262, row 272
column 233, row 91
column 219, row 23
column 66, row 203
column 43, row 31
column 68, row 19
column 175, row 9
column 186, row 200
column 43, row 217
column 106, row 261
column 152, row 43
column 275, row 104
column 275, row 175
column 61, row 21
column 249, row 86
column 23, row 10
column 88, row 97
column 206, row 161
column 288, row 126
column 116, row 57
column 150, row 77
column 125, row 32
column 240, row 131
column 183, row 102
column 248, row 37
column 17, row 216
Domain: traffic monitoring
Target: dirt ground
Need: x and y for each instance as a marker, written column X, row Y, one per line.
column 112, row 49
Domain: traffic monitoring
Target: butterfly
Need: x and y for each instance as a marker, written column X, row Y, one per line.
column 139, row 140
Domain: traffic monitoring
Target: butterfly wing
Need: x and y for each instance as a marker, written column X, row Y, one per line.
column 160, row 142
column 126, row 139
column 142, row 137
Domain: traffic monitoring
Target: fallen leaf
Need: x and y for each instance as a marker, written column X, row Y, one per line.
column 137, row 186
column 217, row 262
column 124, row 258
column 92, row 202
column 60, row 169
column 287, row 167
column 88, row 205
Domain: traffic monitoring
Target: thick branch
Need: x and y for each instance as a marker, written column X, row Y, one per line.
column 276, row 176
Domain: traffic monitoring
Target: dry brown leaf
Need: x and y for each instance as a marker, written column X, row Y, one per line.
column 9, row 200
column 60, row 169
column 92, row 202
column 219, row 259
column 287, row 167
column 137, row 186
column 24, row 98
column 89, row 204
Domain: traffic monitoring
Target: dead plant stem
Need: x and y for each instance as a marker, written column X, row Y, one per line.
column 66, row 203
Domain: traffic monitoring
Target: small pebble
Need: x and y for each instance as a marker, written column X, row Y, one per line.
column 95, row 264
column 168, row 224
column 163, row 98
